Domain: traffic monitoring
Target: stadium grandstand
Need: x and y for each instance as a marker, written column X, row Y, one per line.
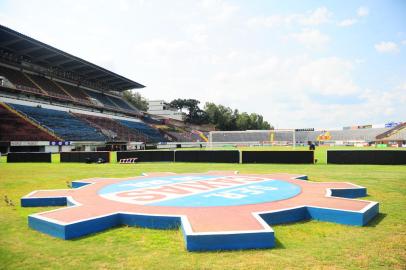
column 395, row 136
column 48, row 96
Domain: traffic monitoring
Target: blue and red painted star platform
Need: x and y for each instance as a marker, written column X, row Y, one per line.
column 216, row 210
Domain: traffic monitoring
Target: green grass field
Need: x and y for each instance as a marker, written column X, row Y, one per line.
column 303, row 245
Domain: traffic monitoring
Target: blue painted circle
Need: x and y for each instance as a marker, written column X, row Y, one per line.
column 198, row 191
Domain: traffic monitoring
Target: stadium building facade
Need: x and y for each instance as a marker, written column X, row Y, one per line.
column 53, row 101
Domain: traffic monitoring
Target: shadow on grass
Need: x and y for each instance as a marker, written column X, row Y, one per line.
column 109, row 230
column 278, row 244
column 375, row 222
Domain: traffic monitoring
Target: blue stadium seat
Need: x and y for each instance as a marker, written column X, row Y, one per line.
column 102, row 98
column 62, row 123
column 152, row 133
column 122, row 104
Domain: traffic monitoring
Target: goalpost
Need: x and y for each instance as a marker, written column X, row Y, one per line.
column 282, row 137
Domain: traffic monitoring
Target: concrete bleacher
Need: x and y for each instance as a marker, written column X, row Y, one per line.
column 151, row 133
column 400, row 135
column 49, row 86
column 16, row 77
column 113, row 129
column 61, row 123
column 185, row 136
column 44, row 86
column 241, row 137
column 74, row 91
column 122, row 104
column 392, row 132
column 105, row 100
column 15, row 128
column 367, row 135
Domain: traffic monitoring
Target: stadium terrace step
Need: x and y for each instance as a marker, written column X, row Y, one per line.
column 201, row 135
column 122, row 104
column 101, row 98
column 50, row 89
column 37, row 86
column 392, row 132
column 152, row 134
column 48, row 86
column 73, row 91
column 65, row 125
column 398, row 136
column 16, row 77
column 184, row 136
column 16, row 127
column 115, row 130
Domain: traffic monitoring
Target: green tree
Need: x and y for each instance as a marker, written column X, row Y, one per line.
column 135, row 99
column 224, row 118
column 194, row 114
column 243, row 121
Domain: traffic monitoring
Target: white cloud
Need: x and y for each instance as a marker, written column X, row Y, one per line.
column 359, row 61
column 318, row 16
column 387, row 47
column 219, row 10
column 311, row 38
column 270, row 21
column 328, row 76
column 286, row 90
column 362, row 11
column 198, row 32
column 347, row 22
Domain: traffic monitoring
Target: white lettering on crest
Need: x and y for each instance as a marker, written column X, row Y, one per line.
column 162, row 190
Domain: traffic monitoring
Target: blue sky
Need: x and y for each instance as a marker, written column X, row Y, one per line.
column 319, row 64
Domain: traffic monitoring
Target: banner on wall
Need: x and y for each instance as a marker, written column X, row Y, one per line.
column 65, row 143
column 324, row 137
column 28, row 143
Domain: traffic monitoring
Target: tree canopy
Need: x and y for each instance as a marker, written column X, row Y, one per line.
column 224, row 118
column 136, row 100
column 194, row 114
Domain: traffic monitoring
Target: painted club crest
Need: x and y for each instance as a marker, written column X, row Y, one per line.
column 215, row 210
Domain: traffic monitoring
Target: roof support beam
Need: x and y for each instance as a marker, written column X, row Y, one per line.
column 9, row 42
column 28, row 50
column 62, row 62
column 75, row 67
column 43, row 57
column 98, row 76
column 120, row 84
column 111, row 80
column 91, row 73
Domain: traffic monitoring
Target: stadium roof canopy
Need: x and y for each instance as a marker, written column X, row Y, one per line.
column 45, row 55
